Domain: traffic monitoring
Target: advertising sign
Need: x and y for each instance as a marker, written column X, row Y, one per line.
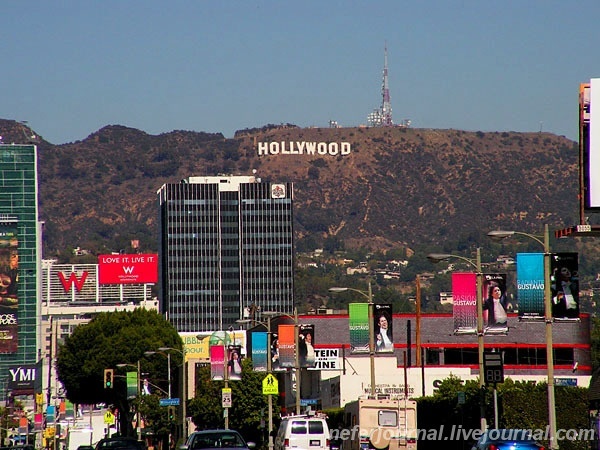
column 24, row 378
column 128, row 269
column 287, row 345
column 591, row 138
column 495, row 304
column 9, row 287
column 384, row 338
column 359, row 327
column 234, row 362
column 306, row 342
column 530, row 285
column 217, row 362
column 464, row 293
column 564, row 284
column 259, row 351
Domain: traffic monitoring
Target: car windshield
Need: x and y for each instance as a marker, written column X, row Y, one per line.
column 217, row 440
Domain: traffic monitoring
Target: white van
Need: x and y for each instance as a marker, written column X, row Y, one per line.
column 306, row 432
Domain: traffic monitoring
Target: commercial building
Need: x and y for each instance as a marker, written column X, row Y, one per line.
column 71, row 295
column 226, row 245
column 20, row 247
column 341, row 376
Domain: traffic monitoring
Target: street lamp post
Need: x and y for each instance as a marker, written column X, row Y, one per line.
column 183, row 381
column 500, row 234
column 168, row 355
column 269, row 371
column 369, row 296
column 297, row 367
column 225, row 367
column 437, row 257
column 138, row 416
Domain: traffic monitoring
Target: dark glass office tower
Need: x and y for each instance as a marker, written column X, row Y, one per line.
column 226, row 243
column 20, row 244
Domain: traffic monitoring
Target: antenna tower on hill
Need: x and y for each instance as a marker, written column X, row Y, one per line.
column 382, row 117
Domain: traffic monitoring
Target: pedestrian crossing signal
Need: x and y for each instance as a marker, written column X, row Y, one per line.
column 108, row 378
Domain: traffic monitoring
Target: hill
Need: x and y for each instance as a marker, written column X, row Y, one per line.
column 397, row 187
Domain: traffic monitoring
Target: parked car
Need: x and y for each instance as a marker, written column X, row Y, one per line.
column 507, row 439
column 222, row 439
column 120, row 443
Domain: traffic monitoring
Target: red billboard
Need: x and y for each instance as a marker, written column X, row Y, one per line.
column 128, row 269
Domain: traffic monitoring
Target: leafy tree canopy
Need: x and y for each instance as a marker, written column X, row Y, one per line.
column 105, row 342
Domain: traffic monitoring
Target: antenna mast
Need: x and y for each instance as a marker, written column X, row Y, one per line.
column 386, row 105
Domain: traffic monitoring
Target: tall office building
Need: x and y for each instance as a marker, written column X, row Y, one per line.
column 226, row 244
column 20, row 244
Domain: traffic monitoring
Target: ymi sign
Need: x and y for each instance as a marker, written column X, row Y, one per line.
column 327, row 359
column 303, row 148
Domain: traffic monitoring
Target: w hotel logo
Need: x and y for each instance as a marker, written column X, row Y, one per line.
column 72, row 281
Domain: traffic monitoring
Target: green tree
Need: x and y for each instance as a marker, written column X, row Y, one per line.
column 106, row 341
column 249, row 405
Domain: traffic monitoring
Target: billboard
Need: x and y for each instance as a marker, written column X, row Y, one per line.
column 260, row 351
column 286, row 341
column 128, row 269
column 564, row 285
column 589, row 143
column 382, row 322
column 530, row 285
column 359, row 327
column 306, row 342
column 25, row 378
column 234, row 362
column 495, row 304
column 464, row 295
column 9, row 287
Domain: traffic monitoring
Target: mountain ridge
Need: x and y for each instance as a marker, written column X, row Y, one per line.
column 398, row 187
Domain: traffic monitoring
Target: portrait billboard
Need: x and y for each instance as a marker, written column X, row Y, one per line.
column 564, row 285
column 234, row 362
column 128, row 269
column 306, row 342
column 495, row 304
column 382, row 323
column 9, row 288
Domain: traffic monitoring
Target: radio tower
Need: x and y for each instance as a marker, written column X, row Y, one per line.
column 386, row 106
column 382, row 116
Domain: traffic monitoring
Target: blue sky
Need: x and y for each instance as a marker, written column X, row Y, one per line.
column 73, row 67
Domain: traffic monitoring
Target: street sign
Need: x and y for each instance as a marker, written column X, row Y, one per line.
column 270, row 386
column 168, row 402
column 226, row 397
column 109, row 418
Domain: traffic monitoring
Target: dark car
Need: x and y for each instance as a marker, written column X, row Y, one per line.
column 120, row 443
column 86, row 447
column 223, row 439
column 507, row 439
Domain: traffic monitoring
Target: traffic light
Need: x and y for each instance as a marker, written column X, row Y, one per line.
column 171, row 413
column 108, row 378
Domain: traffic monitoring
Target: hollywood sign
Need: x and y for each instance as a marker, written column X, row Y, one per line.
column 304, row 148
